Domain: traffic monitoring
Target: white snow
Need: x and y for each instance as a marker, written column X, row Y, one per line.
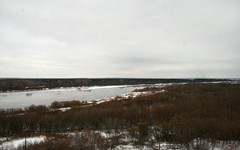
column 131, row 147
column 2, row 139
column 64, row 109
column 21, row 141
column 123, row 96
column 128, row 145
column 104, row 87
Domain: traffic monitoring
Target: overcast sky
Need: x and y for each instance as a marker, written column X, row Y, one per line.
column 120, row 38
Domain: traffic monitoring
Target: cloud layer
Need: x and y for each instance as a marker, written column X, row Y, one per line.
column 110, row 38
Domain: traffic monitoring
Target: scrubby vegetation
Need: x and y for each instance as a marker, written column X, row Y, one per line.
column 182, row 114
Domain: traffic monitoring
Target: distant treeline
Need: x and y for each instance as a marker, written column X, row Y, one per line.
column 25, row 84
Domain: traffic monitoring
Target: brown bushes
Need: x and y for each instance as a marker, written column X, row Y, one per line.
column 183, row 113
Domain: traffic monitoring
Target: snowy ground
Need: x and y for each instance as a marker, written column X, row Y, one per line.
column 129, row 145
column 118, row 97
column 165, row 146
column 15, row 143
column 219, row 145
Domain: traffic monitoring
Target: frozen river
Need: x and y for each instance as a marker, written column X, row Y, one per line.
column 46, row 97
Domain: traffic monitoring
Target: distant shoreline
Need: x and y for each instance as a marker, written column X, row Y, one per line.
column 11, row 84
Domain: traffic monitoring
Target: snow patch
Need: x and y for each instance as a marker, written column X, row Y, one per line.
column 64, row 109
column 85, row 88
column 21, row 141
column 123, row 96
column 131, row 147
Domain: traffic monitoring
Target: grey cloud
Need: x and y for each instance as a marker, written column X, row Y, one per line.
column 108, row 38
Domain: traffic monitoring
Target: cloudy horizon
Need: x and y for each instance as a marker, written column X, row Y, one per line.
column 126, row 39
